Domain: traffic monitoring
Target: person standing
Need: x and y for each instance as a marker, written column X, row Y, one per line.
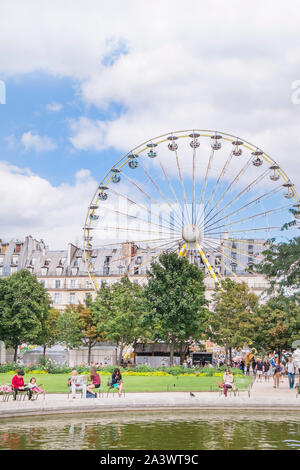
column 18, row 385
column 259, row 369
column 291, row 370
column 267, row 370
column 277, row 374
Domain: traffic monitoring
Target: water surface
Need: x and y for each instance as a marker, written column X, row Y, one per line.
column 154, row 431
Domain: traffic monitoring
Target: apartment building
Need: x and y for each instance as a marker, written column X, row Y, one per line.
column 64, row 274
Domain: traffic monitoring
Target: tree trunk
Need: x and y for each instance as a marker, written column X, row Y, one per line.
column 226, row 354
column 44, row 351
column 121, row 346
column 230, row 355
column 134, row 353
column 89, row 352
column 171, row 354
column 15, row 352
column 183, row 353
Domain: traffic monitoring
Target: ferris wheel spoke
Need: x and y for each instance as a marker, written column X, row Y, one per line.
column 224, row 169
column 160, row 192
column 146, row 250
column 171, row 187
column 228, row 257
column 143, row 208
column 128, row 229
column 251, row 217
column 152, row 258
column 243, row 230
column 235, row 179
column 200, row 211
column 254, row 201
column 147, row 195
column 247, row 188
column 182, row 186
column 142, row 220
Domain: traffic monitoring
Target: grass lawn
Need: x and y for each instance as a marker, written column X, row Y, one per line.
column 56, row 383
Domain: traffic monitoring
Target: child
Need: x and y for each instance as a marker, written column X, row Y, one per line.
column 34, row 387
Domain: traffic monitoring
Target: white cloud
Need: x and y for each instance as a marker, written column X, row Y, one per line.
column 88, row 134
column 37, row 143
column 32, row 205
column 54, row 107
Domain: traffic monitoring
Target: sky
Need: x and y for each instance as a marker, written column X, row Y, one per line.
column 86, row 81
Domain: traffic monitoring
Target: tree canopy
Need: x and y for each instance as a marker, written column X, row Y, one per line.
column 24, row 303
column 175, row 300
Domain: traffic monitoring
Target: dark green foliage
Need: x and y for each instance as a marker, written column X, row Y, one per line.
column 175, row 302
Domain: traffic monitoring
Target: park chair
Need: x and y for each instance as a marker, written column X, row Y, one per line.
column 79, row 381
column 234, row 390
column 35, row 395
column 113, row 390
column 5, row 391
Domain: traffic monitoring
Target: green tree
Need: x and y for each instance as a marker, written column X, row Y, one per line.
column 278, row 324
column 48, row 335
column 232, row 319
column 68, row 326
column 281, row 265
column 119, row 311
column 175, row 299
column 91, row 331
column 24, row 303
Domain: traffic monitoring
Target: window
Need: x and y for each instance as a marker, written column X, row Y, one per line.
column 32, row 261
column 88, row 284
column 57, row 284
column 43, row 283
column 59, row 271
column 44, row 271
column 74, row 271
column 106, row 270
column 107, row 259
column 72, row 298
column 1, row 260
column 47, row 262
column 121, row 269
column 13, row 269
column 3, row 249
column 139, row 260
column 73, row 284
column 1, row 271
column 136, row 270
column 57, row 298
column 18, row 248
column 15, row 260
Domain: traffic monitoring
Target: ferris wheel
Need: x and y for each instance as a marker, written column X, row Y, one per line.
column 204, row 194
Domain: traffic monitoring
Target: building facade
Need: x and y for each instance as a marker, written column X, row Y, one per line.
column 64, row 274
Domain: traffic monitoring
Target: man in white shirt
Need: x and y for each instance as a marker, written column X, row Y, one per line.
column 291, row 370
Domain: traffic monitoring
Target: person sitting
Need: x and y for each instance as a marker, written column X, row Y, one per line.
column 96, row 381
column 18, row 385
column 227, row 381
column 34, row 386
column 77, row 382
column 116, row 380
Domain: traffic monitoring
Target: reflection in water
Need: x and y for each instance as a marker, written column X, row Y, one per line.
column 150, row 430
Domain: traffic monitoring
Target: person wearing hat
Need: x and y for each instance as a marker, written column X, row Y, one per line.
column 18, row 385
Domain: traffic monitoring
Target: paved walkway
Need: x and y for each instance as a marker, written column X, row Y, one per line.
column 263, row 396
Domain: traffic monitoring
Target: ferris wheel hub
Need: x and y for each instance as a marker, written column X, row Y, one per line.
column 192, row 233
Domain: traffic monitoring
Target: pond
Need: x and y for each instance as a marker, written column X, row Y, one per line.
column 180, row 430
